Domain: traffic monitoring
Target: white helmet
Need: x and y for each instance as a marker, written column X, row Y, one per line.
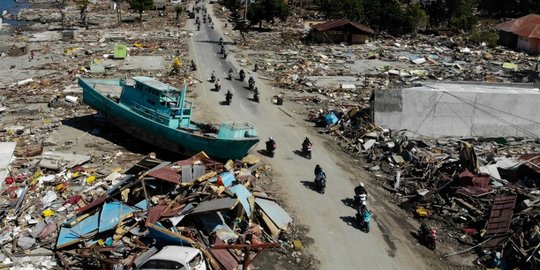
column 361, row 184
column 271, row 139
column 364, row 203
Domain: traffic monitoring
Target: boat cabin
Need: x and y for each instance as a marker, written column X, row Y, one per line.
column 157, row 101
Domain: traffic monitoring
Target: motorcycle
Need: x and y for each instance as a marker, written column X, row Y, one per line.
column 428, row 236
column 364, row 219
column 230, row 76
column 251, row 85
column 198, row 27
column 306, row 150
column 256, row 96
column 220, row 41
column 242, row 75
column 193, row 66
column 225, row 55
column 212, row 78
column 218, row 86
column 271, row 148
column 320, row 183
column 228, row 98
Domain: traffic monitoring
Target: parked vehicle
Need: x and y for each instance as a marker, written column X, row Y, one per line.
column 175, row 257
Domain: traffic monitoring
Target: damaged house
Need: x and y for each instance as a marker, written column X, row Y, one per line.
column 340, row 31
column 522, row 34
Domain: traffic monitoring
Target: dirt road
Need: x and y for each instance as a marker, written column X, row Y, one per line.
column 338, row 244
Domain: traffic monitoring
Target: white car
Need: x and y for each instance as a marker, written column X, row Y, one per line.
column 175, row 257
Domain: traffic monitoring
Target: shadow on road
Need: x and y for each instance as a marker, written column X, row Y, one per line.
column 349, row 202
column 351, row 221
column 311, row 185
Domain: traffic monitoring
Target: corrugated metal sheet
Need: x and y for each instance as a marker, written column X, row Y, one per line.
column 215, row 205
column 225, row 258
column 499, row 220
column 277, row 214
column 167, row 174
column 340, row 23
column 187, row 175
column 521, row 22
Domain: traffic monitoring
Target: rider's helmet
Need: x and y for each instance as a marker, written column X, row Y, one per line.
column 362, row 184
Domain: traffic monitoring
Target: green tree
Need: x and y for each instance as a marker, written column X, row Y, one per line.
column 353, row 10
column 416, row 16
column 385, row 15
column 438, row 13
column 462, row 14
column 141, row 5
column 267, row 10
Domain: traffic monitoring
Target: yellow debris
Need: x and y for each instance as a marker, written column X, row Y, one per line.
column 47, row 213
column 297, row 244
column 422, row 212
column 90, row 179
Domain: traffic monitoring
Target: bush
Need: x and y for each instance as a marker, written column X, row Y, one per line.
column 490, row 37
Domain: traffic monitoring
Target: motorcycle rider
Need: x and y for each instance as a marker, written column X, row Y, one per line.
column 256, row 67
column 251, row 83
column 220, row 41
column 360, row 189
column 306, row 144
column 360, row 194
column 270, row 146
column 242, row 74
column 193, row 66
column 228, row 96
column 319, row 173
column 213, row 76
column 256, row 94
column 230, row 73
column 217, row 85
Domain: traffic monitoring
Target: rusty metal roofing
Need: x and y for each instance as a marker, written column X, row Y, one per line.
column 225, row 258
column 167, row 174
column 340, row 23
column 524, row 26
column 499, row 220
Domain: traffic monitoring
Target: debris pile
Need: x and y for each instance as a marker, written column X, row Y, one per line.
column 480, row 192
column 88, row 219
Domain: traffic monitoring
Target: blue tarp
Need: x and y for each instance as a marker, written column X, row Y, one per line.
column 112, row 212
column 86, row 227
column 330, row 118
column 242, row 194
column 274, row 212
column 227, row 178
column 166, row 237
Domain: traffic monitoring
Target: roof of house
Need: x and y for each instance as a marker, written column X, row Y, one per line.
column 339, row 23
column 526, row 26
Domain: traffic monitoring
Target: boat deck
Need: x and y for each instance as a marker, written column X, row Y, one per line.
column 108, row 90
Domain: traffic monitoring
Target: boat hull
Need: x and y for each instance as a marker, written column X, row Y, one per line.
column 162, row 136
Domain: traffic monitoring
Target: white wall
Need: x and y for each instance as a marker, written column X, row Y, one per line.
column 459, row 111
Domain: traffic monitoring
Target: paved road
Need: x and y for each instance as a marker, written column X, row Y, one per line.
column 337, row 244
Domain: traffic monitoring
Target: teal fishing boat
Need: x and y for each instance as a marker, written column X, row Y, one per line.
column 158, row 113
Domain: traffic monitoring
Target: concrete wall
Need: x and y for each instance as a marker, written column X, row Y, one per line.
column 440, row 109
